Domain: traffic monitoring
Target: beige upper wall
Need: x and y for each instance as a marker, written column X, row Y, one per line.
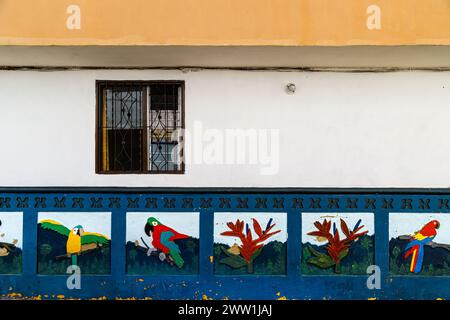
column 317, row 57
column 224, row 22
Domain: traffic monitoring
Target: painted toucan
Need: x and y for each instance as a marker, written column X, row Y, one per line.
column 163, row 240
column 76, row 237
column 416, row 245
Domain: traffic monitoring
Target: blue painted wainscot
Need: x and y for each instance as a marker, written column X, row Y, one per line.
column 224, row 243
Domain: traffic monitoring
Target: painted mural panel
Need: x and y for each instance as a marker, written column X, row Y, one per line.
column 162, row 243
column 81, row 239
column 11, row 242
column 250, row 243
column 337, row 243
column 419, row 244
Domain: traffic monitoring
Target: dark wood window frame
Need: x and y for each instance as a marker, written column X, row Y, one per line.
column 103, row 84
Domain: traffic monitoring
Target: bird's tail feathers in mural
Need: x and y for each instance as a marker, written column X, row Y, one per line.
column 416, row 252
column 177, row 259
column 409, row 252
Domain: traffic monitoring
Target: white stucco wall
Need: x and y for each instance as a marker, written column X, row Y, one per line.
column 337, row 130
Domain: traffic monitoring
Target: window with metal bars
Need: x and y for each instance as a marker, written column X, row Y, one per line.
column 140, row 126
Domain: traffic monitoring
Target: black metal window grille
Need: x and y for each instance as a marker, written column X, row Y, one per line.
column 140, row 127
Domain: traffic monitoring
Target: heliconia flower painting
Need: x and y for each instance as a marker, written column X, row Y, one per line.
column 74, row 239
column 159, row 243
column 419, row 244
column 11, row 243
column 337, row 243
column 250, row 243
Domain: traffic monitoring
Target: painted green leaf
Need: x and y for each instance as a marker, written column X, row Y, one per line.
column 323, row 261
column 314, row 251
column 235, row 262
column 224, row 250
column 256, row 254
column 343, row 254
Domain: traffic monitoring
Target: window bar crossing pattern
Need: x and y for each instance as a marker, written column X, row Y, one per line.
column 124, row 127
column 164, row 125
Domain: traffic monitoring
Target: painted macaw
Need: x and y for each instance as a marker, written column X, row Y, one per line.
column 76, row 237
column 416, row 245
column 163, row 240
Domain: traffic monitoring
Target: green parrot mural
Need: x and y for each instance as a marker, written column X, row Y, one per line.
column 163, row 239
column 78, row 240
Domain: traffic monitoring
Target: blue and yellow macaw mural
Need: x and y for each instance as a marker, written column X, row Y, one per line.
column 78, row 240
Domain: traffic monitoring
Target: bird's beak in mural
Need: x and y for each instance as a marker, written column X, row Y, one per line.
column 438, row 225
column 80, row 232
column 148, row 229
